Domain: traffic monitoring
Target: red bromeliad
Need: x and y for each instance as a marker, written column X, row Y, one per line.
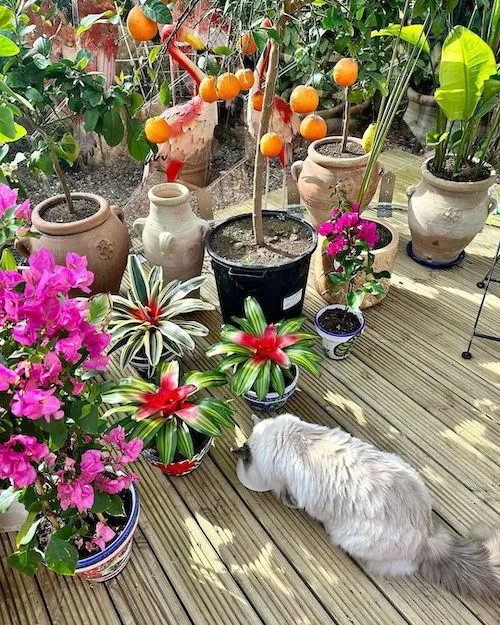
column 260, row 353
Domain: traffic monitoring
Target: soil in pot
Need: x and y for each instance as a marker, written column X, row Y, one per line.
column 352, row 149
column 116, row 523
column 467, row 173
column 336, row 320
column 384, row 237
column 283, row 240
column 60, row 213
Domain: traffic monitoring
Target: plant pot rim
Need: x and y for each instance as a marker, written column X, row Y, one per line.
column 71, row 227
column 421, row 98
column 329, row 161
column 273, row 396
column 453, row 186
column 266, row 213
column 151, row 453
column 327, row 333
column 108, row 551
column 169, row 194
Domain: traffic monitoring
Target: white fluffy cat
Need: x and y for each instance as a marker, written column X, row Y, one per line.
column 371, row 503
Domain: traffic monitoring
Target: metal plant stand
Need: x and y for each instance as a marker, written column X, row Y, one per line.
column 484, row 284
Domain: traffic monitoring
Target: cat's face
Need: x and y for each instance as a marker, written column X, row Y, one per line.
column 250, row 474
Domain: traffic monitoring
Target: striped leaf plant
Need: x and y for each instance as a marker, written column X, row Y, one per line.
column 147, row 320
column 261, row 355
column 164, row 414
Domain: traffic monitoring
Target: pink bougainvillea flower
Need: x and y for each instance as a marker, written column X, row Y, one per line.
column 103, row 534
column 115, row 485
column 91, row 464
column 37, row 403
column 8, row 198
column 326, row 229
column 7, row 378
column 80, row 277
column 337, row 245
column 355, row 207
column 23, row 211
column 367, row 230
column 346, row 221
column 77, row 386
column 16, row 456
column 69, row 346
column 75, row 494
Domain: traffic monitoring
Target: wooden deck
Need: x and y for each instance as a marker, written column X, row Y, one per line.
column 208, row 551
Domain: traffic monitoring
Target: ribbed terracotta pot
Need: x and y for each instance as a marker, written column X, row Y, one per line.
column 444, row 216
column 384, row 260
column 317, row 176
column 420, row 114
column 103, row 238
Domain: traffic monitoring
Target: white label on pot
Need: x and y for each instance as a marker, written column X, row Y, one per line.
column 291, row 300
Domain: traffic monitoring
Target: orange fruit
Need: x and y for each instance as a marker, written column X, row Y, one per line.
column 207, row 90
column 246, row 45
column 345, row 72
column 245, row 78
column 228, row 86
column 304, row 99
column 156, row 130
column 140, row 27
column 271, row 144
column 257, row 101
column 313, row 127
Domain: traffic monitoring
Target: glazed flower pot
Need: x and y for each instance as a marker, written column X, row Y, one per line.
column 142, row 366
column 338, row 345
column 420, row 114
column 384, row 260
column 103, row 238
column 106, row 564
column 444, row 216
column 172, row 235
column 181, row 466
column 272, row 401
column 317, row 176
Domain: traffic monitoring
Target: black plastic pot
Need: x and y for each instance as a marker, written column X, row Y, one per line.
column 279, row 289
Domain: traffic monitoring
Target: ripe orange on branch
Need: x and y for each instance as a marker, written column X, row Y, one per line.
column 227, row 86
column 207, row 89
column 257, row 101
column 304, row 99
column 313, row 127
column 246, row 45
column 245, row 78
column 140, row 27
column 271, row 144
column 345, row 72
column 157, row 130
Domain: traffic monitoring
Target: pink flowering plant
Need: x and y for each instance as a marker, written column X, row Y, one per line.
column 14, row 216
column 55, row 450
column 349, row 241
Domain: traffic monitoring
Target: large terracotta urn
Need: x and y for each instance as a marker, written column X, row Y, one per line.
column 444, row 216
column 420, row 114
column 103, row 238
column 384, row 260
column 172, row 234
column 317, row 176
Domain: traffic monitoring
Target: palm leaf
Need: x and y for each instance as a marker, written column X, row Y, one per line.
column 166, row 441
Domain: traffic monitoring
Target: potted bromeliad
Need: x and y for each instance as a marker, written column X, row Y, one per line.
column 349, row 241
column 265, row 358
column 146, row 323
column 176, row 428
column 55, row 456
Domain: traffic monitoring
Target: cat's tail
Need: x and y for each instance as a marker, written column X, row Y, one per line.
column 465, row 566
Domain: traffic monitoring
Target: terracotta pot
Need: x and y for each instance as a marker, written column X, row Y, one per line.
column 172, row 235
column 196, row 168
column 338, row 345
column 420, row 114
column 444, row 216
column 384, row 260
column 103, row 238
column 317, row 176
column 180, row 466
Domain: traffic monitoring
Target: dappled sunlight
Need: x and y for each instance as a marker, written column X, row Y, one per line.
column 473, row 297
column 493, row 366
column 414, row 287
column 265, row 566
column 486, row 405
column 476, row 434
column 431, row 475
column 347, row 405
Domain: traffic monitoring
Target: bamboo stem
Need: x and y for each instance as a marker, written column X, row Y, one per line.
column 345, row 130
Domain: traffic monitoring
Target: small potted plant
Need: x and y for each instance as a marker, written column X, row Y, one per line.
column 82, row 506
column 265, row 358
column 146, row 324
column 349, row 241
column 177, row 430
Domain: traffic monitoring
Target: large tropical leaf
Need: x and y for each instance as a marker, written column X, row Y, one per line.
column 255, row 316
column 196, row 420
column 138, row 281
column 184, row 441
column 413, row 34
column 166, row 441
column 205, row 379
column 245, row 376
column 466, row 63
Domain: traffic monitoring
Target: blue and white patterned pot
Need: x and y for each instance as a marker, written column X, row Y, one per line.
column 338, row 346
column 272, row 401
column 144, row 369
column 106, row 564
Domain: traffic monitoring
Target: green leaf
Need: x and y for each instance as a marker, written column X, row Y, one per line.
column 58, row 436
column 184, row 441
column 7, row 47
column 116, row 507
column 90, row 119
column 90, row 419
column 166, row 441
column 466, row 63
column 255, row 316
column 7, row 126
column 138, row 146
column 7, row 497
column 304, row 358
column 153, row 54
column 61, row 556
column 261, row 386
column 33, row 95
column 223, row 51
column 157, row 11
column 138, row 281
column 413, row 34
column 89, row 20
column 102, row 502
column 6, row 16
column 136, row 101
column 100, row 307
column 112, row 127
column 245, row 376
column 165, row 95
column 69, row 148
column 205, row 379
column 8, row 261
column 28, row 529
column 43, row 45
column 217, row 410
column 82, row 58
column 277, row 379
column 40, row 61
column 26, row 561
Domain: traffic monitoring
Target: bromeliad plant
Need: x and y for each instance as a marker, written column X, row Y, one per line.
column 54, row 453
column 261, row 355
column 163, row 415
column 349, row 241
column 147, row 320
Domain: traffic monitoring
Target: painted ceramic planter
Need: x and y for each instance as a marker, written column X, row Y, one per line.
column 338, row 346
column 144, row 369
column 181, row 466
column 272, row 401
column 112, row 560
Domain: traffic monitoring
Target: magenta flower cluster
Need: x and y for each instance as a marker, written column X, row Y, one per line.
column 13, row 216
column 345, row 227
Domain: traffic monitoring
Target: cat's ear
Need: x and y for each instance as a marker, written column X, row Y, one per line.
column 255, row 419
column 288, row 499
